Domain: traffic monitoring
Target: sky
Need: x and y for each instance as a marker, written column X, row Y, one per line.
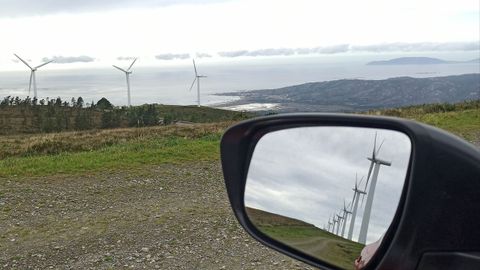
column 307, row 173
column 164, row 32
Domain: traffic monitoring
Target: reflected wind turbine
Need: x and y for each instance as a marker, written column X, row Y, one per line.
column 356, row 195
column 346, row 212
column 33, row 79
column 375, row 164
column 127, row 75
column 197, row 79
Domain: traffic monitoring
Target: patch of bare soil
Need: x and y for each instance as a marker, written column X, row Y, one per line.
column 164, row 217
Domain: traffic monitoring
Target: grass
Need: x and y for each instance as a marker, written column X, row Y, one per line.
column 306, row 237
column 462, row 118
column 132, row 148
column 126, row 155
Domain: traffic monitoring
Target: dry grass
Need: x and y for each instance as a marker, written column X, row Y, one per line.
column 79, row 141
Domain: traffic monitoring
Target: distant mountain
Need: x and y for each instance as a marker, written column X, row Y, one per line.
column 360, row 95
column 418, row 61
column 410, row 61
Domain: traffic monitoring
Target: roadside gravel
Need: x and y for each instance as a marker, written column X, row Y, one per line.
column 163, row 217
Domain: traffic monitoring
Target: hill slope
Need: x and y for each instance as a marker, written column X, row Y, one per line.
column 360, row 95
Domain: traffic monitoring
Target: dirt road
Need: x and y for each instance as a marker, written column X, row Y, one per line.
column 163, row 217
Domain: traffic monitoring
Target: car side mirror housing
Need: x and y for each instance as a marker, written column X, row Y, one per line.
column 356, row 192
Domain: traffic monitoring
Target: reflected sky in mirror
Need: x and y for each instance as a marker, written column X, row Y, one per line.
column 306, row 173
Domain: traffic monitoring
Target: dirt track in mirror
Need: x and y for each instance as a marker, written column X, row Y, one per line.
column 165, row 217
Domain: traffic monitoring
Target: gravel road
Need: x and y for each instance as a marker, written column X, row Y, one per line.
column 163, row 217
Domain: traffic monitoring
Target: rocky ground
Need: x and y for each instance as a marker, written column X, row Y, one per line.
column 163, row 217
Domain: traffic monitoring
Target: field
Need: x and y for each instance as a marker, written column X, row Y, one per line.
column 136, row 198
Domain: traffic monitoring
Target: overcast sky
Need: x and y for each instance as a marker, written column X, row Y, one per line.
column 306, row 173
column 159, row 31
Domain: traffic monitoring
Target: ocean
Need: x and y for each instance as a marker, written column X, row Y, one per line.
column 170, row 84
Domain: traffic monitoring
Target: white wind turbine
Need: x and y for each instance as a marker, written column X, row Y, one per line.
column 335, row 222
column 346, row 212
column 375, row 164
column 127, row 75
column 197, row 79
column 330, row 223
column 339, row 218
column 33, row 80
column 356, row 196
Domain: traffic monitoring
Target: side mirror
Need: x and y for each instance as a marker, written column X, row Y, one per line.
column 356, row 192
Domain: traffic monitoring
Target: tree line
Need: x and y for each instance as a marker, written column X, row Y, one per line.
column 56, row 115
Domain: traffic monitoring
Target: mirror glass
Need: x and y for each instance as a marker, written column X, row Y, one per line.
column 330, row 192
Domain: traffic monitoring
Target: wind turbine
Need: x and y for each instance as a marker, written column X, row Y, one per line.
column 356, row 195
column 32, row 75
column 345, row 217
column 334, row 223
column 127, row 75
column 330, row 223
column 197, row 79
column 375, row 164
column 339, row 218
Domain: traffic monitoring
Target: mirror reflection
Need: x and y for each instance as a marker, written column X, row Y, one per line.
column 330, row 192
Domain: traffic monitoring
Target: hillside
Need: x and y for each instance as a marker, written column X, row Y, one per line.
column 306, row 237
column 28, row 118
column 361, row 95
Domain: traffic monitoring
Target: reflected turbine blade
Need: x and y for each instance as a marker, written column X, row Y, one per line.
column 378, row 151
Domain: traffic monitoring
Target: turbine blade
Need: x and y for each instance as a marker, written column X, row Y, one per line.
column 119, row 68
column 43, row 64
column 23, row 61
column 380, row 147
column 195, row 68
column 193, row 83
column 128, row 69
column 374, row 146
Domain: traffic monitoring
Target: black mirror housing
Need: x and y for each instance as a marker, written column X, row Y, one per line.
column 438, row 213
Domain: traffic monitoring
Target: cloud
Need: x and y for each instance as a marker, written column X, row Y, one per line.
column 125, row 58
column 345, row 48
column 203, row 55
column 271, row 52
column 172, row 56
column 20, row 8
column 419, row 47
column 69, row 59
column 233, row 53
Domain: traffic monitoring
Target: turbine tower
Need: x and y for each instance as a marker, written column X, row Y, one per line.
column 197, row 79
column 356, row 196
column 375, row 164
column 32, row 75
column 345, row 217
column 127, row 75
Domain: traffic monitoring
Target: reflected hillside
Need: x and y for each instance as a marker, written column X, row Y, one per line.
column 306, row 237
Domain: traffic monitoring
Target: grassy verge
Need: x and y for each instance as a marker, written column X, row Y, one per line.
column 127, row 149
